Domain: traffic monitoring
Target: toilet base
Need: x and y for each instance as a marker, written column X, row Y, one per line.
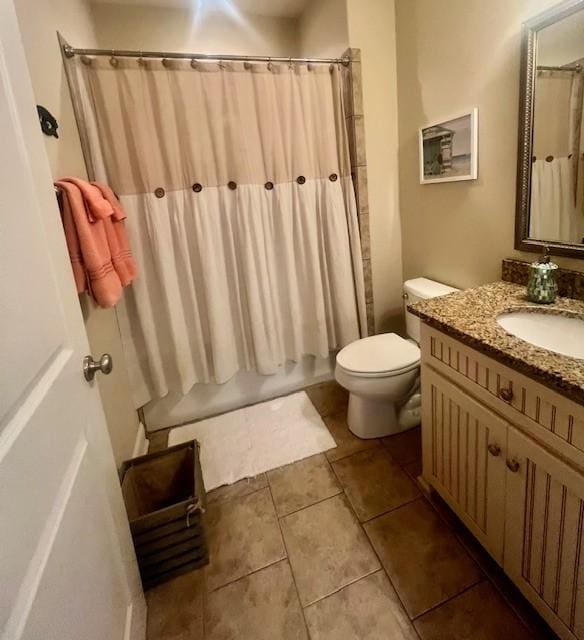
column 370, row 418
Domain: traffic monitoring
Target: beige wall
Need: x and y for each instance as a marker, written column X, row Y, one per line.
column 371, row 25
column 452, row 56
column 323, row 29
column 209, row 31
column 39, row 22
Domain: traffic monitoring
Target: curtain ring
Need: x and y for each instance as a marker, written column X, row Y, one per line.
column 86, row 60
column 165, row 63
column 290, row 63
column 114, row 61
column 247, row 65
column 194, row 63
column 270, row 65
column 141, row 61
column 221, row 64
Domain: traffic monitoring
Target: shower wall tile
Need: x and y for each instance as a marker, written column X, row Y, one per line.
column 353, row 53
column 355, row 122
column 356, row 128
column 360, row 181
column 365, row 239
column 357, row 89
column 347, row 90
column 370, row 319
column 368, row 281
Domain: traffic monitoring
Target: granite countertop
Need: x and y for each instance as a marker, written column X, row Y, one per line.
column 470, row 316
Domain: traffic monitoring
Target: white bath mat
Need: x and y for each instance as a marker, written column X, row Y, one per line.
column 241, row 444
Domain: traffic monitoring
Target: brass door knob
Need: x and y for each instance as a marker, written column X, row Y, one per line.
column 512, row 465
column 494, row 449
column 506, row 394
column 105, row 364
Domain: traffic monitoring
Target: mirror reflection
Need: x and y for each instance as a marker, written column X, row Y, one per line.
column 557, row 176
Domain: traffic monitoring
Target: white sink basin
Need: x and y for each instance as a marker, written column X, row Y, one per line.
column 561, row 334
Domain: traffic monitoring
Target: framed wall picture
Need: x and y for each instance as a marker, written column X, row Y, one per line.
column 449, row 149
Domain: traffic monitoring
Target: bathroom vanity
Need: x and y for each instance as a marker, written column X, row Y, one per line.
column 503, row 442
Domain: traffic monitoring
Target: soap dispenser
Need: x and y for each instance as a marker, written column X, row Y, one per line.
column 542, row 286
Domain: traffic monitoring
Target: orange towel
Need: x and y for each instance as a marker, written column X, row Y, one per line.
column 98, row 208
column 117, row 236
column 89, row 248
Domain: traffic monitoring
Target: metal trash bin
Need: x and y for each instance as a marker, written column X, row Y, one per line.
column 165, row 500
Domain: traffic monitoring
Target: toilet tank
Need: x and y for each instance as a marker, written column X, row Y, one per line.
column 420, row 289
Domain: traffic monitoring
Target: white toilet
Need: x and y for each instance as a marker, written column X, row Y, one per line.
column 382, row 372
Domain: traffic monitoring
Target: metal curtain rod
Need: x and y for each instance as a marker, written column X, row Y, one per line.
column 70, row 52
column 576, row 67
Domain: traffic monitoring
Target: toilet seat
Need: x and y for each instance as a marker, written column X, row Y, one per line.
column 381, row 356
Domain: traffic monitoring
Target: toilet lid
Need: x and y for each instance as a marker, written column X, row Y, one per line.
column 386, row 352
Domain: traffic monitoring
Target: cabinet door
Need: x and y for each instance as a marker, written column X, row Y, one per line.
column 544, row 533
column 464, row 458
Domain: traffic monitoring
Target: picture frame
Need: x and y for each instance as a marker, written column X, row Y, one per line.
column 448, row 149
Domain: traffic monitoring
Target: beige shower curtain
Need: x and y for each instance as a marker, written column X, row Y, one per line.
column 241, row 213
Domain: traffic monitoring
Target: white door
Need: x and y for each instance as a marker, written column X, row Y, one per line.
column 67, row 566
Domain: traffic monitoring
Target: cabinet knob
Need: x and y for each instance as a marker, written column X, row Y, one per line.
column 506, row 394
column 494, row 449
column 512, row 465
column 91, row 367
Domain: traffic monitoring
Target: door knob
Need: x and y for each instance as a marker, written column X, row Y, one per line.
column 105, row 364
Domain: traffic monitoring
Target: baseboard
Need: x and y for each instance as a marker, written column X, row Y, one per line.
column 141, row 443
column 135, row 627
column 424, row 486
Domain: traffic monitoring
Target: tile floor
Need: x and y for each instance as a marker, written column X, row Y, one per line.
column 340, row 546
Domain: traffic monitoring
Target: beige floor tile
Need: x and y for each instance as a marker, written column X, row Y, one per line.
column 424, row 560
column 347, row 443
column 365, row 610
column 477, row 614
column 327, row 548
column 262, row 606
column 244, row 536
column 175, row 608
column 238, row 489
column 328, row 397
column 374, row 483
column 406, row 446
column 302, row 483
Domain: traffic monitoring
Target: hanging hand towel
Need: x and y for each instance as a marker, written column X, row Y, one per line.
column 122, row 258
column 88, row 245
column 98, row 208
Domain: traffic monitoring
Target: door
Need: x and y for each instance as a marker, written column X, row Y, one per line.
column 463, row 458
column 544, row 537
column 67, row 566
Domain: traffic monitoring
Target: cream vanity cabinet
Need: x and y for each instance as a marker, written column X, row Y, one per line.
column 507, row 455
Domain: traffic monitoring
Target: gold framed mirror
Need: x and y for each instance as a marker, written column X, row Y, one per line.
column 550, row 169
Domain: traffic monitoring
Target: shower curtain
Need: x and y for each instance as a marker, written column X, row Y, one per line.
column 554, row 176
column 553, row 215
column 241, row 213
